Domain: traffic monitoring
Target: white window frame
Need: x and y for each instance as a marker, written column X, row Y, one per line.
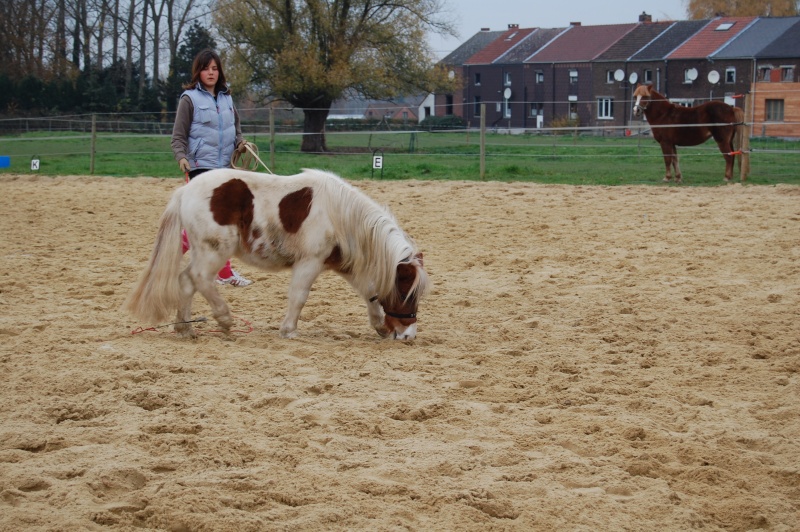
column 730, row 74
column 573, row 76
column 605, row 108
column 507, row 79
column 610, row 76
column 477, row 79
column 539, row 76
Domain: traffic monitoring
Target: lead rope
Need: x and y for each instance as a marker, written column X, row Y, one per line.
column 248, row 159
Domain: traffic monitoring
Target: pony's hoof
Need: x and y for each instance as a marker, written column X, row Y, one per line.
column 667, row 179
column 288, row 334
column 187, row 332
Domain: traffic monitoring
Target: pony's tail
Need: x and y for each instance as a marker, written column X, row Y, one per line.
column 738, row 135
column 157, row 292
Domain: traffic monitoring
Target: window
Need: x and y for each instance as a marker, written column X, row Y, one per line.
column 689, row 75
column 648, row 76
column 573, row 110
column 477, row 79
column 573, row 76
column 537, row 109
column 448, row 104
column 610, row 76
column 539, row 76
column 730, row 75
column 605, row 108
column 764, row 73
column 477, row 111
column 507, row 110
column 774, row 110
column 787, row 73
column 507, row 78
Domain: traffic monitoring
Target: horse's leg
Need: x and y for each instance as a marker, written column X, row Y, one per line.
column 676, row 164
column 666, row 150
column 304, row 274
column 726, row 147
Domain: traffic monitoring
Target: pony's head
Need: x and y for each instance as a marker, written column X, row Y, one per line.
column 641, row 98
column 400, row 306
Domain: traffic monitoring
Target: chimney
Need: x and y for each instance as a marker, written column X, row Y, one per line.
column 485, row 29
column 574, row 23
column 644, row 17
column 513, row 26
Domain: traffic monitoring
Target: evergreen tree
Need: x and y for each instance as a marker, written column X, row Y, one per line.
column 198, row 38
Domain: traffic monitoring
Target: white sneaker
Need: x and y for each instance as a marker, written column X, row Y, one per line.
column 235, row 280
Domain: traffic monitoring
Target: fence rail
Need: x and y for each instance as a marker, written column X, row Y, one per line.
column 131, row 147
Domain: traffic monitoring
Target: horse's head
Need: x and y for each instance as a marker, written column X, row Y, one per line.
column 400, row 307
column 641, row 98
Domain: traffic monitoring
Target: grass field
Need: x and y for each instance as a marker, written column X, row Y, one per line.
column 563, row 159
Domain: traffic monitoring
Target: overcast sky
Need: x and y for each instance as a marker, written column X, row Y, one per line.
column 469, row 16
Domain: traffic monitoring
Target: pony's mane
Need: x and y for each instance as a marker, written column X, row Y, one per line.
column 370, row 240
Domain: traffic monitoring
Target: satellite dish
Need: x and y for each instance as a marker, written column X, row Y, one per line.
column 619, row 74
column 691, row 74
column 507, row 93
column 713, row 76
column 633, row 78
column 451, row 74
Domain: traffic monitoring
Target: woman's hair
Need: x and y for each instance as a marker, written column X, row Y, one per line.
column 201, row 61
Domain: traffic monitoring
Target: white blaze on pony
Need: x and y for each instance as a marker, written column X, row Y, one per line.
column 308, row 222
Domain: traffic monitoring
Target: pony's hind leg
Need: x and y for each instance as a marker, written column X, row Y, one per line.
column 219, row 308
column 183, row 326
column 199, row 277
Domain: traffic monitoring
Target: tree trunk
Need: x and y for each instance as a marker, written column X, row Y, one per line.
column 143, row 52
column 129, row 49
column 314, row 130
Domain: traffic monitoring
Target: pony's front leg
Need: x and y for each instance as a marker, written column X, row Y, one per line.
column 377, row 318
column 303, row 276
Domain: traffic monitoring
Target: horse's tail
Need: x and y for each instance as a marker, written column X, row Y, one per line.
column 157, row 292
column 738, row 134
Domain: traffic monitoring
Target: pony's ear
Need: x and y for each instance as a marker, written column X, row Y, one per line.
column 418, row 256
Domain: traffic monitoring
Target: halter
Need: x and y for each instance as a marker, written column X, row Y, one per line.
column 409, row 316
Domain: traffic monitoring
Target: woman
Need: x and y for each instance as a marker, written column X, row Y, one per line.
column 206, row 132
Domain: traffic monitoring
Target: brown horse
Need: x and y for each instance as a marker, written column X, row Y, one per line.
column 674, row 125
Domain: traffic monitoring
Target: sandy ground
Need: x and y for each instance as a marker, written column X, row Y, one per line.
column 591, row 358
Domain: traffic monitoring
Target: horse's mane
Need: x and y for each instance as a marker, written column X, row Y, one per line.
column 369, row 238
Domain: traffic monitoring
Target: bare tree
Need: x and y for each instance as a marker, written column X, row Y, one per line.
column 703, row 9
column 310, row 52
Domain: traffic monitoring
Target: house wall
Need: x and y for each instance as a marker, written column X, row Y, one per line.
column 789, row 92
column 619, row 91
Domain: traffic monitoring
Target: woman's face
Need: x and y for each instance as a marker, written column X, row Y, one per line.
column 209, row 76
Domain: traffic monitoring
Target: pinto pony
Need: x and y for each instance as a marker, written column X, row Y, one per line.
column 308, row 222
column 711, row 119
